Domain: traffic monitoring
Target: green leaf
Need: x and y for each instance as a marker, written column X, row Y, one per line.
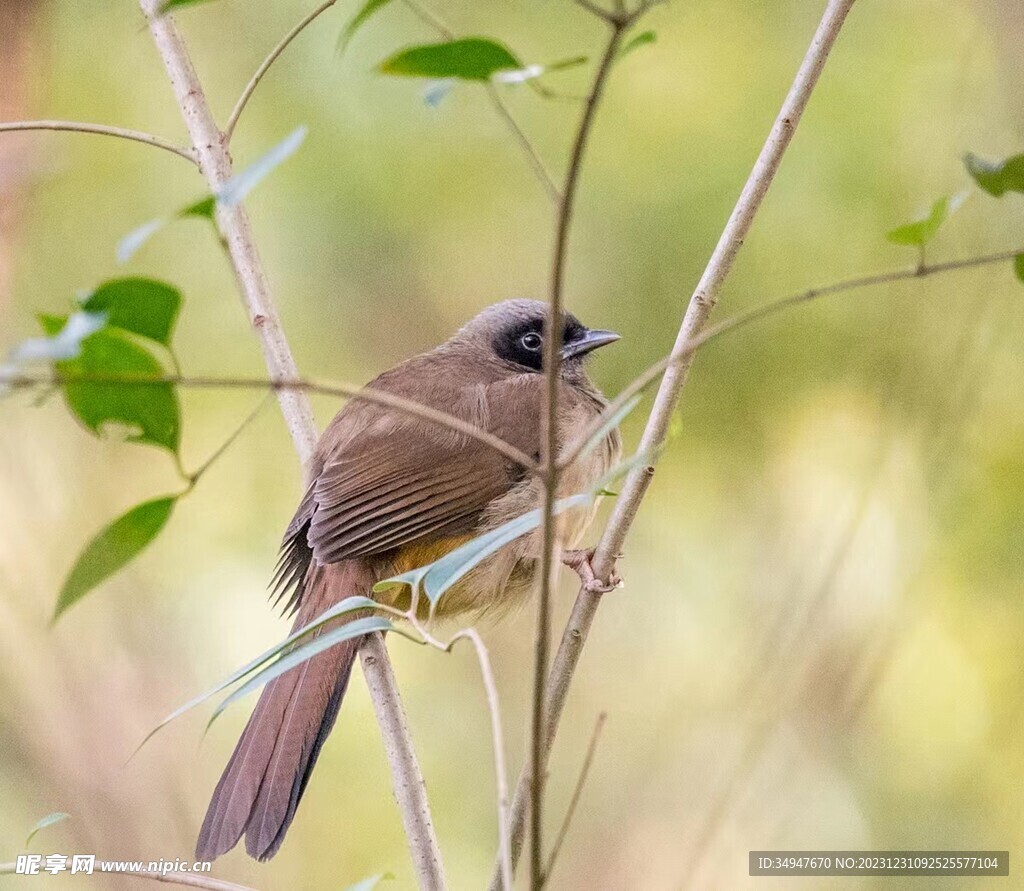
column 304, row 652
column 997, row 177
column 1018, row 266
column 358, row 20
column 150, row 410
column 370, row 883
column 114, row 547
column 203, row 208
column 439, row 576
column 48, row 820
column 168, row 5
column 348, row 605
column 471, row 58
column 143, row 306
column 921, row 231
column 640, row 40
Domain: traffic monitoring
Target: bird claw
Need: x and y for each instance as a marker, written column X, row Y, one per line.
column 579, row 561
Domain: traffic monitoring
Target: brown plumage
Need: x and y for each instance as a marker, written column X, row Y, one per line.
column 387, row 492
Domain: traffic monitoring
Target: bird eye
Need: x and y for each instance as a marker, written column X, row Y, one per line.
column 531, row 341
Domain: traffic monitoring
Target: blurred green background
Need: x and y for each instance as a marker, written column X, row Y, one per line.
column 819, row 644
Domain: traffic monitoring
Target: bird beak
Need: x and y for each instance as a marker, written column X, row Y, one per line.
column 589, row 341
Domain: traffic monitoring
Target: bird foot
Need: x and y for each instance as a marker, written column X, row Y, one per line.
column 578, row 560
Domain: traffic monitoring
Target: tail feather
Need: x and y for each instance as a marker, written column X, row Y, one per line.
column 264, row 780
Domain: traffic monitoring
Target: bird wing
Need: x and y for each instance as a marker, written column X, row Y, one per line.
column 388, row 479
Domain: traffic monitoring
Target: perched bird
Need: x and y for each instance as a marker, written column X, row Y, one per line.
column 389, row 492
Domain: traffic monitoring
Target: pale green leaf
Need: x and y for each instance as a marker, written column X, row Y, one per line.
column 348, row 605
column 304, row 652
column 48, row 820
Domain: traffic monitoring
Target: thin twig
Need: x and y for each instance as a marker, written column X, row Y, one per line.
column 765, row 310
column 194, row 477
column 304, row 385
column 533, row 158
column 698, row 310
column 172, row 878
column 588, row 759
column 101, row 130
column 531, row 154
column 549, row 453
column 254, row 81
column 498, row 738
column 233, row 224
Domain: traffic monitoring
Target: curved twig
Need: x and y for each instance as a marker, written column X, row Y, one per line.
column 765, row 310
column 350, row 391
column 101, row 130
column 172, row 878
column 254, row 81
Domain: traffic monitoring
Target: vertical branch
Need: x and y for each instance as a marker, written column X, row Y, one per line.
column 697, row 313
column 549, row 449
column 233, row 222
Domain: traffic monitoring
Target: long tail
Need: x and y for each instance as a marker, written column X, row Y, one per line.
column 263, row 782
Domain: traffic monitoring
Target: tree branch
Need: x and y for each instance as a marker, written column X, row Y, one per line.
column 549, row 451
column 531, row 154
column 701, row 303
column 172, row 878
column 101, row 130
column 254, row 82
column 233, row 222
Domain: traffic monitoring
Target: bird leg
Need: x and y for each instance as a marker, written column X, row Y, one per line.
column 578, row 560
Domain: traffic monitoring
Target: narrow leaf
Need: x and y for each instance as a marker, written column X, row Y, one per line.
column 168, row 5
column 143, row 306
column 130, row 244
column 148, row 410
column 48, row 820
column 921, row 231
column 114, row 547
column 471, row 58
column 348, row 605
column 1018, row 266
column 439, row 576
column 241, row 184
column 647, row 37
column 997, row 177
column 358, row 20
column 304, row 652
column 610, row 424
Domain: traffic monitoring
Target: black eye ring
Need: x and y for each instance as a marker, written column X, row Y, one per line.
column 531, row 341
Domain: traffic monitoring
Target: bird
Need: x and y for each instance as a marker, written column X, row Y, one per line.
column 388, row 491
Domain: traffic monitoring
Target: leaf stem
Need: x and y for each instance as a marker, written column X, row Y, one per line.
column 102, row 130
